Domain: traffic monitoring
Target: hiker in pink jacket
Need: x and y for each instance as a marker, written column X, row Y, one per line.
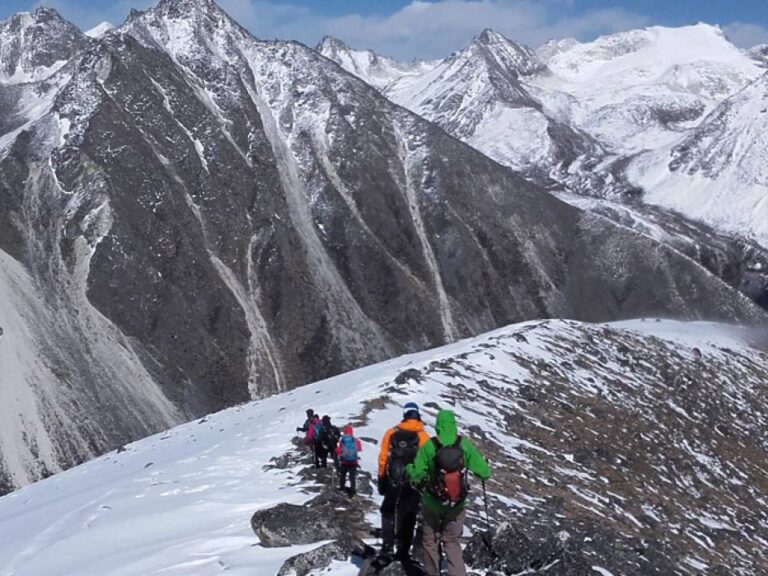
column 348, row 452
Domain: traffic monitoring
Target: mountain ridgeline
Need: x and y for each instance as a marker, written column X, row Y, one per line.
column 192, row 217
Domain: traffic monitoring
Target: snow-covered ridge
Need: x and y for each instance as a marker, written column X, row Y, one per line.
column 99, row 30
column 627, row 425
column 378, row 71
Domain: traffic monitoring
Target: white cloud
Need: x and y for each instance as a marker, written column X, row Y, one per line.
column 420, row 29
column 746, row 35
column 432, row 28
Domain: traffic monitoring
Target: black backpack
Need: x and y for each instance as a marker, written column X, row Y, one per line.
column 332, row 435
column 403, row 446
column 451, row 484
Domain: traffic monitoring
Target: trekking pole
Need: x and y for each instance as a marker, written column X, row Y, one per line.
column 487, row 515
column 487, row 521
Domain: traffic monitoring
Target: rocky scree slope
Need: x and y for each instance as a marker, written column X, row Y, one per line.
column 193, row 217
column 631, row 448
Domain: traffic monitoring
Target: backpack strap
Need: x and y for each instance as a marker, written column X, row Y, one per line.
column 439, row 445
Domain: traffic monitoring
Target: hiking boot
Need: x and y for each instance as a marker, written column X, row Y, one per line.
column 403, row 556
column 383, row 559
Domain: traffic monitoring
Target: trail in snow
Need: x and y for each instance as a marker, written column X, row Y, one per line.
column 179, row 503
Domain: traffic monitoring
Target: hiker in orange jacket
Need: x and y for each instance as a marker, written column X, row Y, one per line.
column 401, row 500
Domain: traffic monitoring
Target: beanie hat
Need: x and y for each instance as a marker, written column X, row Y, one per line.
column 347, row 430
column 411, row 410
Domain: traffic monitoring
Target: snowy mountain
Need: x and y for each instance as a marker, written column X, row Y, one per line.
column 377, row 70
column 636, row 90
column 722, row 163
column 192, row 218
column 634, row 448
column 573, row 115
column 478, row 95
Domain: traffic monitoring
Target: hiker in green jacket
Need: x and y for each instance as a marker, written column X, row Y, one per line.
column 440, row 468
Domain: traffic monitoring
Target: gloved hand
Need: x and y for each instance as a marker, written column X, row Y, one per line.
column 382, row 485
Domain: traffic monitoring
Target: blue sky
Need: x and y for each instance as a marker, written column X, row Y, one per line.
column 432, row 28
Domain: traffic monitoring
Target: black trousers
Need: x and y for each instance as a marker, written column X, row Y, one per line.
column 351, row 471
column 321, row 456
column 399, row 511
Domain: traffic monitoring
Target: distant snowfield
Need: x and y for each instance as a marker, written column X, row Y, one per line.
column 180, row 502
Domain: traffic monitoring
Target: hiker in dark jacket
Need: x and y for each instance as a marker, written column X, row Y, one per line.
column 347, row 454
column 305, row 427
column 440, row 467
column 331, row 439
column 314, row 438
column 401, row 500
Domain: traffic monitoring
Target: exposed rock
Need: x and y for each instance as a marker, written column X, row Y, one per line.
column 331, row 515
column 320, row 557
column 562, row 548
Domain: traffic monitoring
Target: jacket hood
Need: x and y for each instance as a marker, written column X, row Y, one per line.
column 411, row 425
column 445, row 426
column 348, row 430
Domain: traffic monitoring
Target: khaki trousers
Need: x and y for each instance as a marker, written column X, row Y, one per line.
column 445, row 528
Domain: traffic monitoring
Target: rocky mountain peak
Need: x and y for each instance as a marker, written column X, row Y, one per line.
column 47, row 18
column 490, row 36
column 34, row 45
column 196, row 11
column 186, row 5
column 512, row 56
column 330, row 44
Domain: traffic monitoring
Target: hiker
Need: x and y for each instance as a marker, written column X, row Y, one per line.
column 347, row 454
column 441, row 467
column 314, row 439
column 305, row 427
column 331, row 439
column 401, row 500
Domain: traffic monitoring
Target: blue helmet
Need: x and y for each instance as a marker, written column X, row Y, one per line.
column 411, row 411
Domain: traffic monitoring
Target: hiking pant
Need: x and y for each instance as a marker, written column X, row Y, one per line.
column 351, row 470
column 398, row 517
column 331, row 450
column 445, row 528
column 321, row 456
